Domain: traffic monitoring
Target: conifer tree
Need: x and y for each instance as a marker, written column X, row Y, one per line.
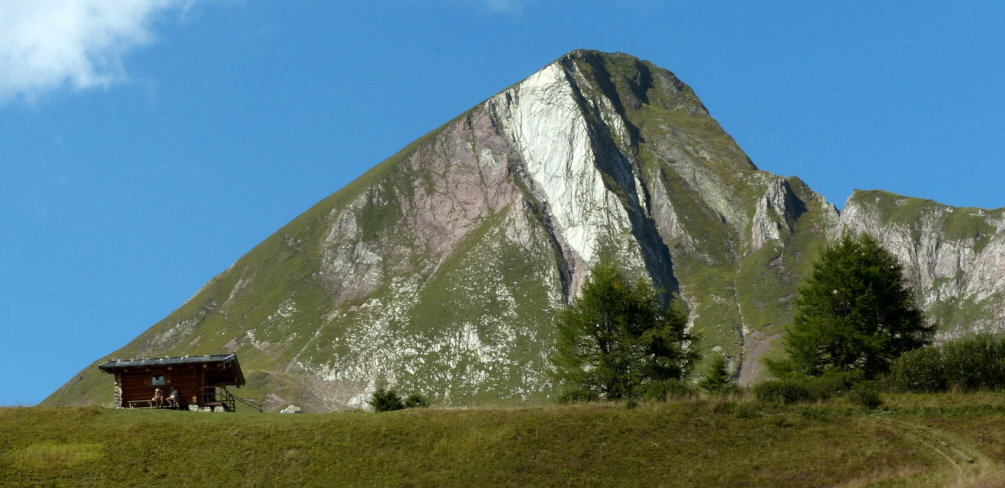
column 855, row 313
column 384, row 400
column 617, row 338
column 718, row 378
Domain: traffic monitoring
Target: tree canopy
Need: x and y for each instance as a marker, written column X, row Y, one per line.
column 384, row 400
column 718, row 379
column 618, row 337
column 855, row 313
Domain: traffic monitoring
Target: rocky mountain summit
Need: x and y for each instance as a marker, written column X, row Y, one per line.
column 440, row 269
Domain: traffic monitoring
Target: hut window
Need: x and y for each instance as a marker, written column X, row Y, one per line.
column 158, row 380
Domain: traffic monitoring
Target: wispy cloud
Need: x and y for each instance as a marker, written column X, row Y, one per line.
column 49, row 45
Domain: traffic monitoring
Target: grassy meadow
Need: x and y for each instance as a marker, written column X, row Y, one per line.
column 914, row 440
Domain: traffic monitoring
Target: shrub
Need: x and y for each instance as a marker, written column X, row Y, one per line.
column 718, row 380
column 919, row 371
column 832, row 385
column 805, row 388
column 782, row 391
column 577, row 395
column 732, row 389
column 416, row 400
column 975, row 363
column 866, row 396
column 385, row 401
column 662, row 391
column 747, row 410
column 968, row 364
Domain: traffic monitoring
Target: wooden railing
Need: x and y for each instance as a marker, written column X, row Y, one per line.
column 214, row 396
column 247, row 401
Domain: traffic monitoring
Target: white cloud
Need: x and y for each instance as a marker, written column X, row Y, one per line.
column 47, row 45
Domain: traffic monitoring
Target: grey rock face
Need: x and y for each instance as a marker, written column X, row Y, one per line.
column 954, row 257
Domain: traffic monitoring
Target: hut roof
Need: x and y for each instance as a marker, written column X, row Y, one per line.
column 219, row 359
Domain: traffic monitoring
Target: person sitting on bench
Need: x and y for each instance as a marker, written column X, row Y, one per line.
column 172, row 399
column 158, row 399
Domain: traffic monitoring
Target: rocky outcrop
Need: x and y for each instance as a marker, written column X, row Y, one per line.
column 558, row 152
column 954, row 257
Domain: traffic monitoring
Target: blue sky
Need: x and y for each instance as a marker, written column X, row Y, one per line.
column 145, row 145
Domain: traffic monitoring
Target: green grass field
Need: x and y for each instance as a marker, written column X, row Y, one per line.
column 915, row 440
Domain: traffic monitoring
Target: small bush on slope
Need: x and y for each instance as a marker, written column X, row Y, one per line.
column 969, row 364
column 805, row 389
column 384, row 400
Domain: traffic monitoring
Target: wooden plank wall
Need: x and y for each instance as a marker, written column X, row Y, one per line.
column 137, row 384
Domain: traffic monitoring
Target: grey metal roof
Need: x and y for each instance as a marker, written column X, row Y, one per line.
column 136, row 363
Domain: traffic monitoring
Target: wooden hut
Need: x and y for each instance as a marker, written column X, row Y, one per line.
column 200, row 381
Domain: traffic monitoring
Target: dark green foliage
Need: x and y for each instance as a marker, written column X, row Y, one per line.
column 577, row 395
column 921, row 371
column 969, row 364
column 718, row 379
column 782, row 391
column 804, row 389
column 385, row 401
column 854, row 313
column 665, row 390
column 617, row 338
column 416, row 400
column 866, row 396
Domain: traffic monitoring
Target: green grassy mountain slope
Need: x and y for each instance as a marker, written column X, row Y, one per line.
column 441, row 268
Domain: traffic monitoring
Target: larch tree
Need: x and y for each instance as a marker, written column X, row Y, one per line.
column 854, row 314
column 617, row 338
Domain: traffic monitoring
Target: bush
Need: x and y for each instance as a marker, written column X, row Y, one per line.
column 733, row 390
column 782, row 391
column 919, row 371
column 385, row 401
column 805, row 389
column 577, row 395
column 833, row 385
column 747, row 410
column 416, row 400
column 866, row 396
column 388, row 400
column 665, row 390
column 968, row 364
column 718, row 380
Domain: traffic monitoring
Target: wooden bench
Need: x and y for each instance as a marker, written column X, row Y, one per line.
column 136, row 403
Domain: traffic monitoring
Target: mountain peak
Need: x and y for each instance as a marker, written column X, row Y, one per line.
column 441, row 269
